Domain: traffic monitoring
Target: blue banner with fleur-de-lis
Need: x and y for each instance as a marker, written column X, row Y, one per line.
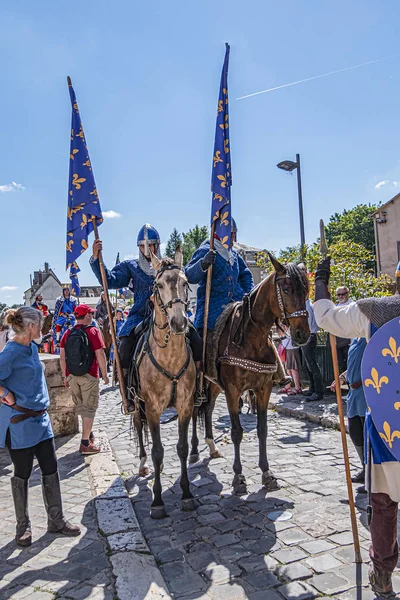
column 221, row 179
column 83, row 199
column 73, row 275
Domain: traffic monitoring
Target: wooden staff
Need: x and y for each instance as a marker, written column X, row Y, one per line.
column 111, row 321
column 353, row 517
column 206, row 305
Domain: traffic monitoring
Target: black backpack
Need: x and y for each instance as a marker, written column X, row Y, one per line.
column 78, row 353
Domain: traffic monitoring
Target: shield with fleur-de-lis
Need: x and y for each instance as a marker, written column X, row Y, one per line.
column 381, row 380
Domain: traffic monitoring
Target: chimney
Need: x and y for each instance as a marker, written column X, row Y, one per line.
column 31, row 279
column 46, row 267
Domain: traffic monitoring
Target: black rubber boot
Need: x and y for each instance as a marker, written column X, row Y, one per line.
column 360, row 476
column 56, row 522
column 19, row 487
column 199, row 394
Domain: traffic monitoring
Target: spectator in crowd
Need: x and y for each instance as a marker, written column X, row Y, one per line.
column 80, row 359
column 309, row 352
column 4, row 329
column 356, row 404
column 293, row 363
column 25, row 426
column 101, row 309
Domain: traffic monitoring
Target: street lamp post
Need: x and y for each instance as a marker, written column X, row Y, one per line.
column 289, row 166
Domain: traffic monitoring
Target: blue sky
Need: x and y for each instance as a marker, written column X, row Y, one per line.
column 146, row 75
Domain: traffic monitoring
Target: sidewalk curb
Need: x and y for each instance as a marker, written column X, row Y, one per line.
column 135, row 570
column 330, row 421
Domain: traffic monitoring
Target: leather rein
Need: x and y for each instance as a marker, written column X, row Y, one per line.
column 174, row 379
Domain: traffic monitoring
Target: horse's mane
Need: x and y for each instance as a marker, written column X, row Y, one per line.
column 298, row 277
column 166, row 262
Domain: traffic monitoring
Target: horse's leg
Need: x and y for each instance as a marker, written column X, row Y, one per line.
column 212, row 393
column 194, row 452
column 143, row 468
column 239, row 480
column 268, row 480
column 188, row 502
column 157, row 510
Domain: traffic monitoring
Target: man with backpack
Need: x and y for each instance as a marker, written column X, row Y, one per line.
column 81, row 356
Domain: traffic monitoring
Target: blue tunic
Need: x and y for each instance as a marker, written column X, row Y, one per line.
column 356, row 404
column 128, row 273
column 64, row 305
column 22, row 373
column 229, row 284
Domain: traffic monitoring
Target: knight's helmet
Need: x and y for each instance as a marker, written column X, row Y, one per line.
column 146, row 236
column 233, row 225
column 397, row 275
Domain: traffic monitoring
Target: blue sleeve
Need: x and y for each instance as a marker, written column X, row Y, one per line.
column 57, row 308
column 193, row 270
column 245, row 277
column 6, row 362
column 118, row 277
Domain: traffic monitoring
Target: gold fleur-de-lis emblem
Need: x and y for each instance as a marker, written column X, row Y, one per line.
column 80, row 134
column 72, row 134
column 218, row 197
column 76, row 181
column 84, row 221
column 217, row 158
column 222, row 179
column 224, row 218
column 76, row 107
column 224, row 91
column 389, row 436
column 94, row 193
column 72, row 155
column 224, row 241
column 87, row 164
column 397, row 405
column 69, row 245
column 393, row 350
column 84, row 245
column 225, row 125
column 220, row 106
column 226, row 146
column 376, row 381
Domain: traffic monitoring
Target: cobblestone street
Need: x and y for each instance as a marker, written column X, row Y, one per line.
column 294, row 543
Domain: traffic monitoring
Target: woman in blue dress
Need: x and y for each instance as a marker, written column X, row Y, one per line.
column 25, row 427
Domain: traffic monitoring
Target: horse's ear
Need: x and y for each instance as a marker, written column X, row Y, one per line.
column 155, row 261
column 178, row 258
column 279, row 268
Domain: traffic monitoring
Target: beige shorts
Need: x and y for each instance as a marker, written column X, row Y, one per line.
column 85, row 394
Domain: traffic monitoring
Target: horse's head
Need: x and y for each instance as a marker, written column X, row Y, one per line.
column 46, row 323
column 289, row 306
column 171, row 290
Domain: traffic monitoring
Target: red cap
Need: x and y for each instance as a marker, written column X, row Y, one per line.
column 82, row 310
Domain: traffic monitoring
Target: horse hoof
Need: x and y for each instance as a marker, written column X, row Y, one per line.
column 216, row 454
column 158, row 512
column 144, row 471
column 239, row 485
column 193, row 458
column 270, row 482
column 189, row 504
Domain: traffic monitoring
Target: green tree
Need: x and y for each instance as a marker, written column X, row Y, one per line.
column 2, row 306
column 354, row 225
column 175, row 239
column 192, row 240
column 350, row 266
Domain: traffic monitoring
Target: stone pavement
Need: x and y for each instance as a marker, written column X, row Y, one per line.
column 291, row 544
column 294, row 543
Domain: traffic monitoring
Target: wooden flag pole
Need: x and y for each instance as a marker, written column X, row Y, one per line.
column 111, row 321
column 353, row 517
column 207, row 302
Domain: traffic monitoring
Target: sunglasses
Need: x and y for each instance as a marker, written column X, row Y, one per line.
column 341, row 295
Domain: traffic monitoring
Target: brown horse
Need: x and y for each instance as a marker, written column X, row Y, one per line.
column 247, row 360
column 167, row 375
column 107, row 339
column 47, row 323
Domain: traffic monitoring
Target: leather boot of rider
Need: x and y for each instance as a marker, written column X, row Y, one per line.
column 199, row 394
column 129, row 394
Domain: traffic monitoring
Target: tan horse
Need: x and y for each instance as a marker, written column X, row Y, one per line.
column 167, row 375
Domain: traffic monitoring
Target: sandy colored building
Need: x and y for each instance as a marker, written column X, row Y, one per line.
column 387, row 236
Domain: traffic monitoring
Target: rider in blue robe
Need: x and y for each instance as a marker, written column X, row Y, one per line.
column 231, row 278
column 64, row 312
column 139, row 275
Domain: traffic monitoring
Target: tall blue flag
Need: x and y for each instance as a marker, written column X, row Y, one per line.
column 83, row 199
column 221, row 179
column 73, row 275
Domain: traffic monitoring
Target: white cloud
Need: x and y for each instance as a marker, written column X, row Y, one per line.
column 130, row 256
column 387, row 182
column 11, row 187
column 8, row 288
column 163, row 247
column 111, row 214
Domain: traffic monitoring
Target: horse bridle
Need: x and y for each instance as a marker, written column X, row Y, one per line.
column 164, row 307
column 284, row 315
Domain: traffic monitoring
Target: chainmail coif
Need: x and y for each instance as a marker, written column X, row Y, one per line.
column 380, row 310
